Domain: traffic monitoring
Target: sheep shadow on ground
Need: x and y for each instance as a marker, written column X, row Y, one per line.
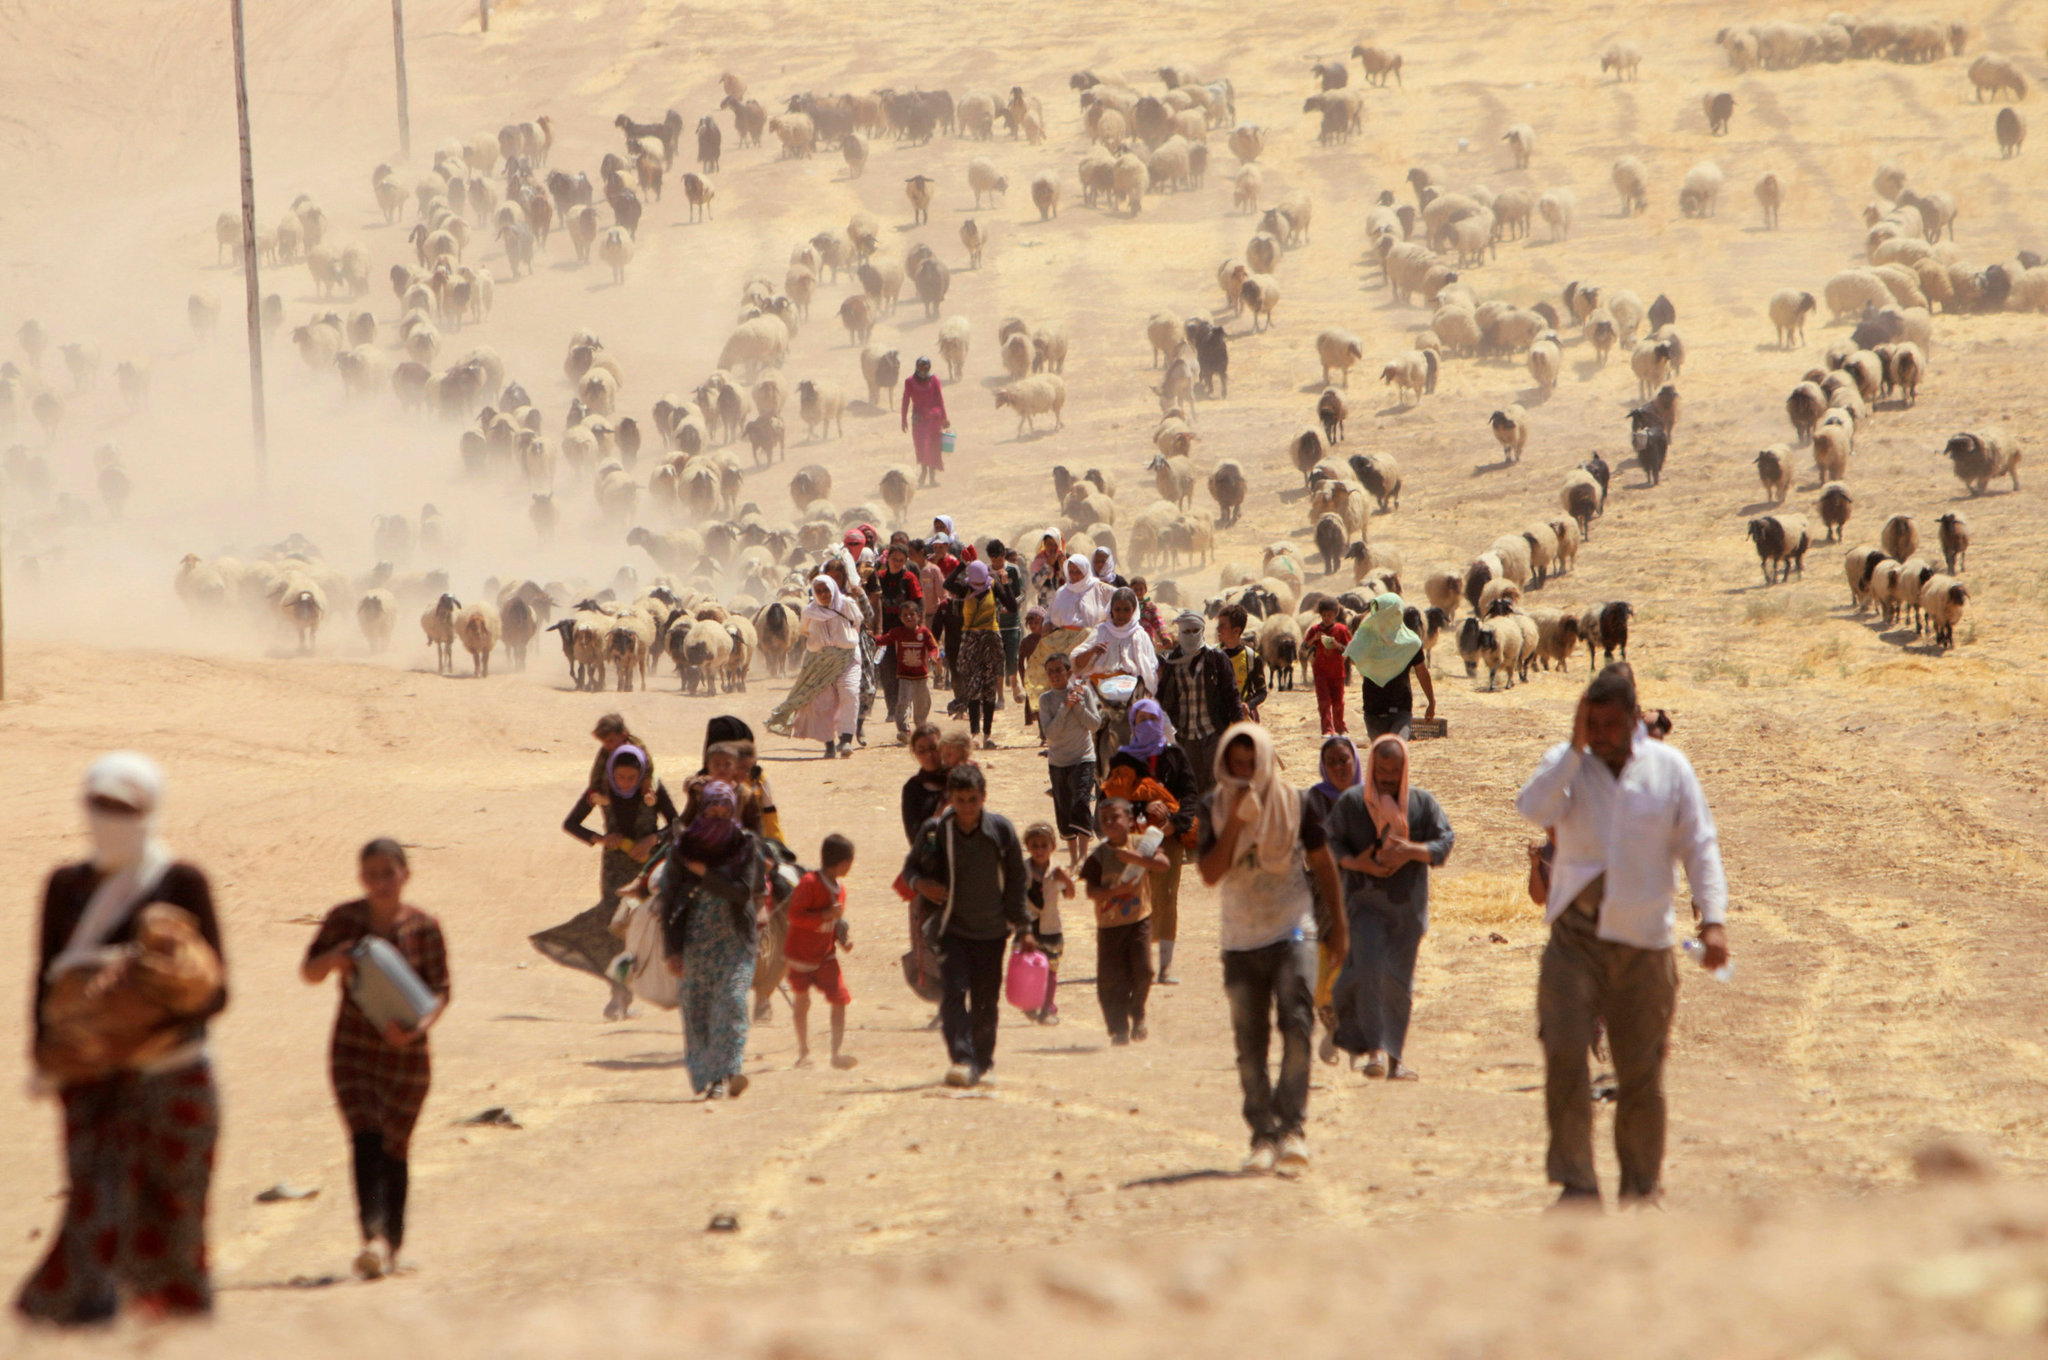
column 1397, row 409
column 1481, row 469
column 998, row 382
column 1535, row 396
column 1031, row 436
column 866, row 408
column 1585, row 370
column 1317, row 388
column 1759, row 508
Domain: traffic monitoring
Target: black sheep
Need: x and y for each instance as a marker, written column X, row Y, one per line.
column 1331, row 541
column 1212, row 355
column 1652, row 442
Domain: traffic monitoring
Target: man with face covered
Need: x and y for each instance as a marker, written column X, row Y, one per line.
column 1198, row 690
column 1626, row 808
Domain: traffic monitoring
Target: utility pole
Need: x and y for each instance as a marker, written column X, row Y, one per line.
column 398, row 46
column 483, row 14
column 258, row 426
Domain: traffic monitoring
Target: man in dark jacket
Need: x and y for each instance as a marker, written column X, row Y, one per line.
column 1198, row 689
column 967, row 865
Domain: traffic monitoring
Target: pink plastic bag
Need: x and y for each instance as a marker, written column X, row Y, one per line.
column 1025, row 984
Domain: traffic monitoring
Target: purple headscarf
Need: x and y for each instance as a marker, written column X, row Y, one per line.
column 977, row 577
column 1151, row 730
column 611, row 768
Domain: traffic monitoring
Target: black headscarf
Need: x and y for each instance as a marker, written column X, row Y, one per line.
column 723, row 728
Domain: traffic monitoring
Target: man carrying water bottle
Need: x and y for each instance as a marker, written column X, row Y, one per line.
column 1625, row 807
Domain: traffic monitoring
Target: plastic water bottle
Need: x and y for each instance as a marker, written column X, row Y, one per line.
column 1697, row 952
column 1148, row 843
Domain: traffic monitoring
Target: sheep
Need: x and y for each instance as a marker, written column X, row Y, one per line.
column 1339, row 350
column 1175, row 478
column 1555, row 207
column 1606, row 625
column 1332, row 411
column 1631, row 181
column 1940, row 603
column 1557, row 637
column 1899, row 537
column 1379, row 63
column 933, row 281
column 1166, row 335
column 1261, row 295
column 2011, row 130
column 1700, row 191
column 1861, row 565
column 1955, row 540
column 1831, row 448
column 1781, row 542
column 1227, row 487
column 1280, row 648
column 1343, row 498
column 1246, row 188
column 1622, row 58
column 1804, row 408
column 1507, row 642
column 439, row 625
column 1905, row 590
column 1834, row 507
column 1510, row 427
column 1774, row 470
column 1380, row 474
column 756, row 344
column 479, row 627
column 1034, row 397
column 1789, row 310
column 1246, row 141
column 822, row 406
column 1545, row 360
column 1331, row 541
column 1995, row 75
column 1849, row 292
column 1651, row 441
column 1719, row 107
column 880, row 368
column 1045, row 195
column 1521, row 140
column 1412, row 374
column 858, row 316
column 1049, row 349
column 986, row 181
column 1583, row 499
column 1129, row 179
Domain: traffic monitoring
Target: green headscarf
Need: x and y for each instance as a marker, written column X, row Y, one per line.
column 1384, row 645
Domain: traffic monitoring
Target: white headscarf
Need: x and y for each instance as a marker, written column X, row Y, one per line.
column 836, row 623
column 1276, row 826
column 1108, row 569
column 125, row 850
column 1127, row 648
column 1081, row 605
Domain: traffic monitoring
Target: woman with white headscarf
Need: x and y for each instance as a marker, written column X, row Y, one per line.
column 1121, row 646
column 1081, row 603
column 129, row 974
column 824, row 703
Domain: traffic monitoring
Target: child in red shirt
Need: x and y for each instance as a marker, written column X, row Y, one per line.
column 1325, row 645
column 817, row 931
column 914, row 646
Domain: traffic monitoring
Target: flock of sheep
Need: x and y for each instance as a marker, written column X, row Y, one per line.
column 668, row 480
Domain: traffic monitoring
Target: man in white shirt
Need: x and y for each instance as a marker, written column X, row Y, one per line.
column 1626, row 807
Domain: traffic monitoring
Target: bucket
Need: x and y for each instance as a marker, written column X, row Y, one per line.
column 945, row 441
column 1025, row 985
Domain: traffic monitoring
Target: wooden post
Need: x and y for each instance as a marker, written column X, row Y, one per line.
column 398, row 47
column 258, row 426
column 483, row 14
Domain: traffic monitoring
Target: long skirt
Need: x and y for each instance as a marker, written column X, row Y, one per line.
column 1056, row 642
column 718, row 972
column 978, row 678
column 924, row 437
column 585, row 941
column 1374, row 992
column 829, row 681
column 139, row 1152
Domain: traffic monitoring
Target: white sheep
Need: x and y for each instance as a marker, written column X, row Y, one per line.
column 1412, row 375
column 1031, row 398
column 1510, row 426
column 1521, row 139
column 1700, row 191
column 1632, row 182
column 1546, row 361
column 479, row 626
column 1339, row 350
column 954, row 338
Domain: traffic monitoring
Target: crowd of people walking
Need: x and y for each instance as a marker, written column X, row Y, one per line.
column 1155, row 758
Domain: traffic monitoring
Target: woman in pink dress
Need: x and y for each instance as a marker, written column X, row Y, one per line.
column 924, row 415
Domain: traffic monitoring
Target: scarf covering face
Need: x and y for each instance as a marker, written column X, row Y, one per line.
column 840, row 616
column 125, row 851
column 1276, row 823
column 978, row 577
column 1389, row 811
column 1081, row 604
column 710, row 840
column 1107, row 571
column 1383, row 646
column 1191, row 629
column 1127, row 647
column 1151, row 730
column 1328, row 789
column 611, row 769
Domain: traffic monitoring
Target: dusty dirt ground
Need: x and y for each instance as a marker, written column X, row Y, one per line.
column 1878, row 803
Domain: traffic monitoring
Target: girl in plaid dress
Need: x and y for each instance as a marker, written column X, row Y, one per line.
column 380, row 1077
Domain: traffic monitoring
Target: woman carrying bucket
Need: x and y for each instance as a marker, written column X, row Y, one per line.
column 924, row 415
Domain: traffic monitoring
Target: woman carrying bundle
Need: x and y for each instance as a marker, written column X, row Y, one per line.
column 712, row 894
column 824, row 703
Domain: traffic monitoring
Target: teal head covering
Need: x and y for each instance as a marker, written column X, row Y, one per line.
column 1384, row 646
